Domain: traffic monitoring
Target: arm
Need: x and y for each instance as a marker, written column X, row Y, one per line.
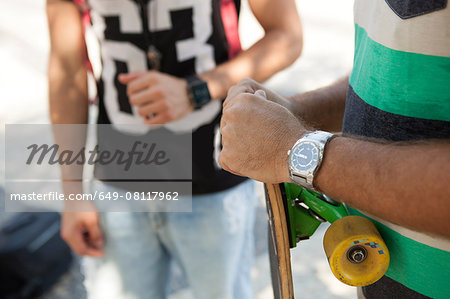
column 67, row 73
column 166, row 96
column 67, row 78
column 279, row 48
column 322, row 108
column 404, row 183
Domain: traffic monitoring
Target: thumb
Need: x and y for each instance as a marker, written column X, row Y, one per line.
column 95, row 235
column 126, row 78
column 261, row 93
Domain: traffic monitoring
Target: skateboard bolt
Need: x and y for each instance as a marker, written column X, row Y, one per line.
column 357, row 254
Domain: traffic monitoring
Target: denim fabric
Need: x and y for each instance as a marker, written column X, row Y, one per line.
column 213, row 245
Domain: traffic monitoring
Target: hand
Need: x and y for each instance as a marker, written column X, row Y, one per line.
column 160, row 98
column 81, row 231
column 256, row 136
column 251, row 86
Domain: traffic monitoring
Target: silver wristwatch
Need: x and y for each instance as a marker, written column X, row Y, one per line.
column 306, row 156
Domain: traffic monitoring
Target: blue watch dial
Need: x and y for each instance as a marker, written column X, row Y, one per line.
column 304, row 156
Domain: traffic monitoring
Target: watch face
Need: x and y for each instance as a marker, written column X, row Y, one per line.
column 304, row 156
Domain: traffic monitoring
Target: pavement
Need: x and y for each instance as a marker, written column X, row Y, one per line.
column 327, row 55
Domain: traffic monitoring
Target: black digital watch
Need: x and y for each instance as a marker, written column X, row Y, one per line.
column 198, row 91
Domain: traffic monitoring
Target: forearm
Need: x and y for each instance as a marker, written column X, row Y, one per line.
column 67, row 81
column 322, row 108
column 406, row 184
column 68, row 95
column 403, row 183
column 259, row 62
column 68, row 104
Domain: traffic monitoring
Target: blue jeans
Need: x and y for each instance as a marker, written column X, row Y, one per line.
column 213, row 245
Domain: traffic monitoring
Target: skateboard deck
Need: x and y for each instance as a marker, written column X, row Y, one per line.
column 280, row 257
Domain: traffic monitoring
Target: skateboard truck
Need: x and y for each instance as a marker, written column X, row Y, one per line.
column 355, row 250
column 306, row 210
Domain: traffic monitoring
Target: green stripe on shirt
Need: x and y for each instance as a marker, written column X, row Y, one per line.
column 403, row 83
column 421, row 268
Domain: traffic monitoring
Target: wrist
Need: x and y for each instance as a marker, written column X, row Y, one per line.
column 218, row 84
column 322, row 177
column 198, row 91
column 283, row 160
column 306, row 157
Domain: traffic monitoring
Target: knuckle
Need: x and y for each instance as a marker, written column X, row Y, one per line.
column 158, row 92
column 167, row 117
column 229, row 115
column 225, row 138
column 164, row 105
column 225, row 112
column 133, row 100
column 223, row 130
column 142, row 112
column 232, row 89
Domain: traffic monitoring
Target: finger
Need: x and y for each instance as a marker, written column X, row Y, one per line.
column 236, row 90
column 223, row 123
column 156, row 107
column 223, row 133
column 250, row 84
column 146, row 96
column 128, row 77
column 94, row 242
column 94, row 252
column 159, row 119
column 240, row 88
column 261, row 93
column 77, row 242
column 95, row 235
column 142, row 82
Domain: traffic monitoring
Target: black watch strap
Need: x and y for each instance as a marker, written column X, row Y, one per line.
column 198, row 91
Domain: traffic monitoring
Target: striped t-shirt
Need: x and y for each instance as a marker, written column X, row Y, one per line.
column 400, row 90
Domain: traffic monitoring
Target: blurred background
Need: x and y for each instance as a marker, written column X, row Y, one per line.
column 327, row 55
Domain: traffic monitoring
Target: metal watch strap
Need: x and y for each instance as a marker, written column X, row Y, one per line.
column 320, row 138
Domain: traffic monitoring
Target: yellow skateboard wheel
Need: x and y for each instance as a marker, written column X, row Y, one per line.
column 355, row 250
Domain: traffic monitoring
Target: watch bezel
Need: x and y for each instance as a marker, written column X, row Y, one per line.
column 305, row 178
column 307, row 175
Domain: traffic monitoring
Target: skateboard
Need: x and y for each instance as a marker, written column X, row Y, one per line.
column 356, row 253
